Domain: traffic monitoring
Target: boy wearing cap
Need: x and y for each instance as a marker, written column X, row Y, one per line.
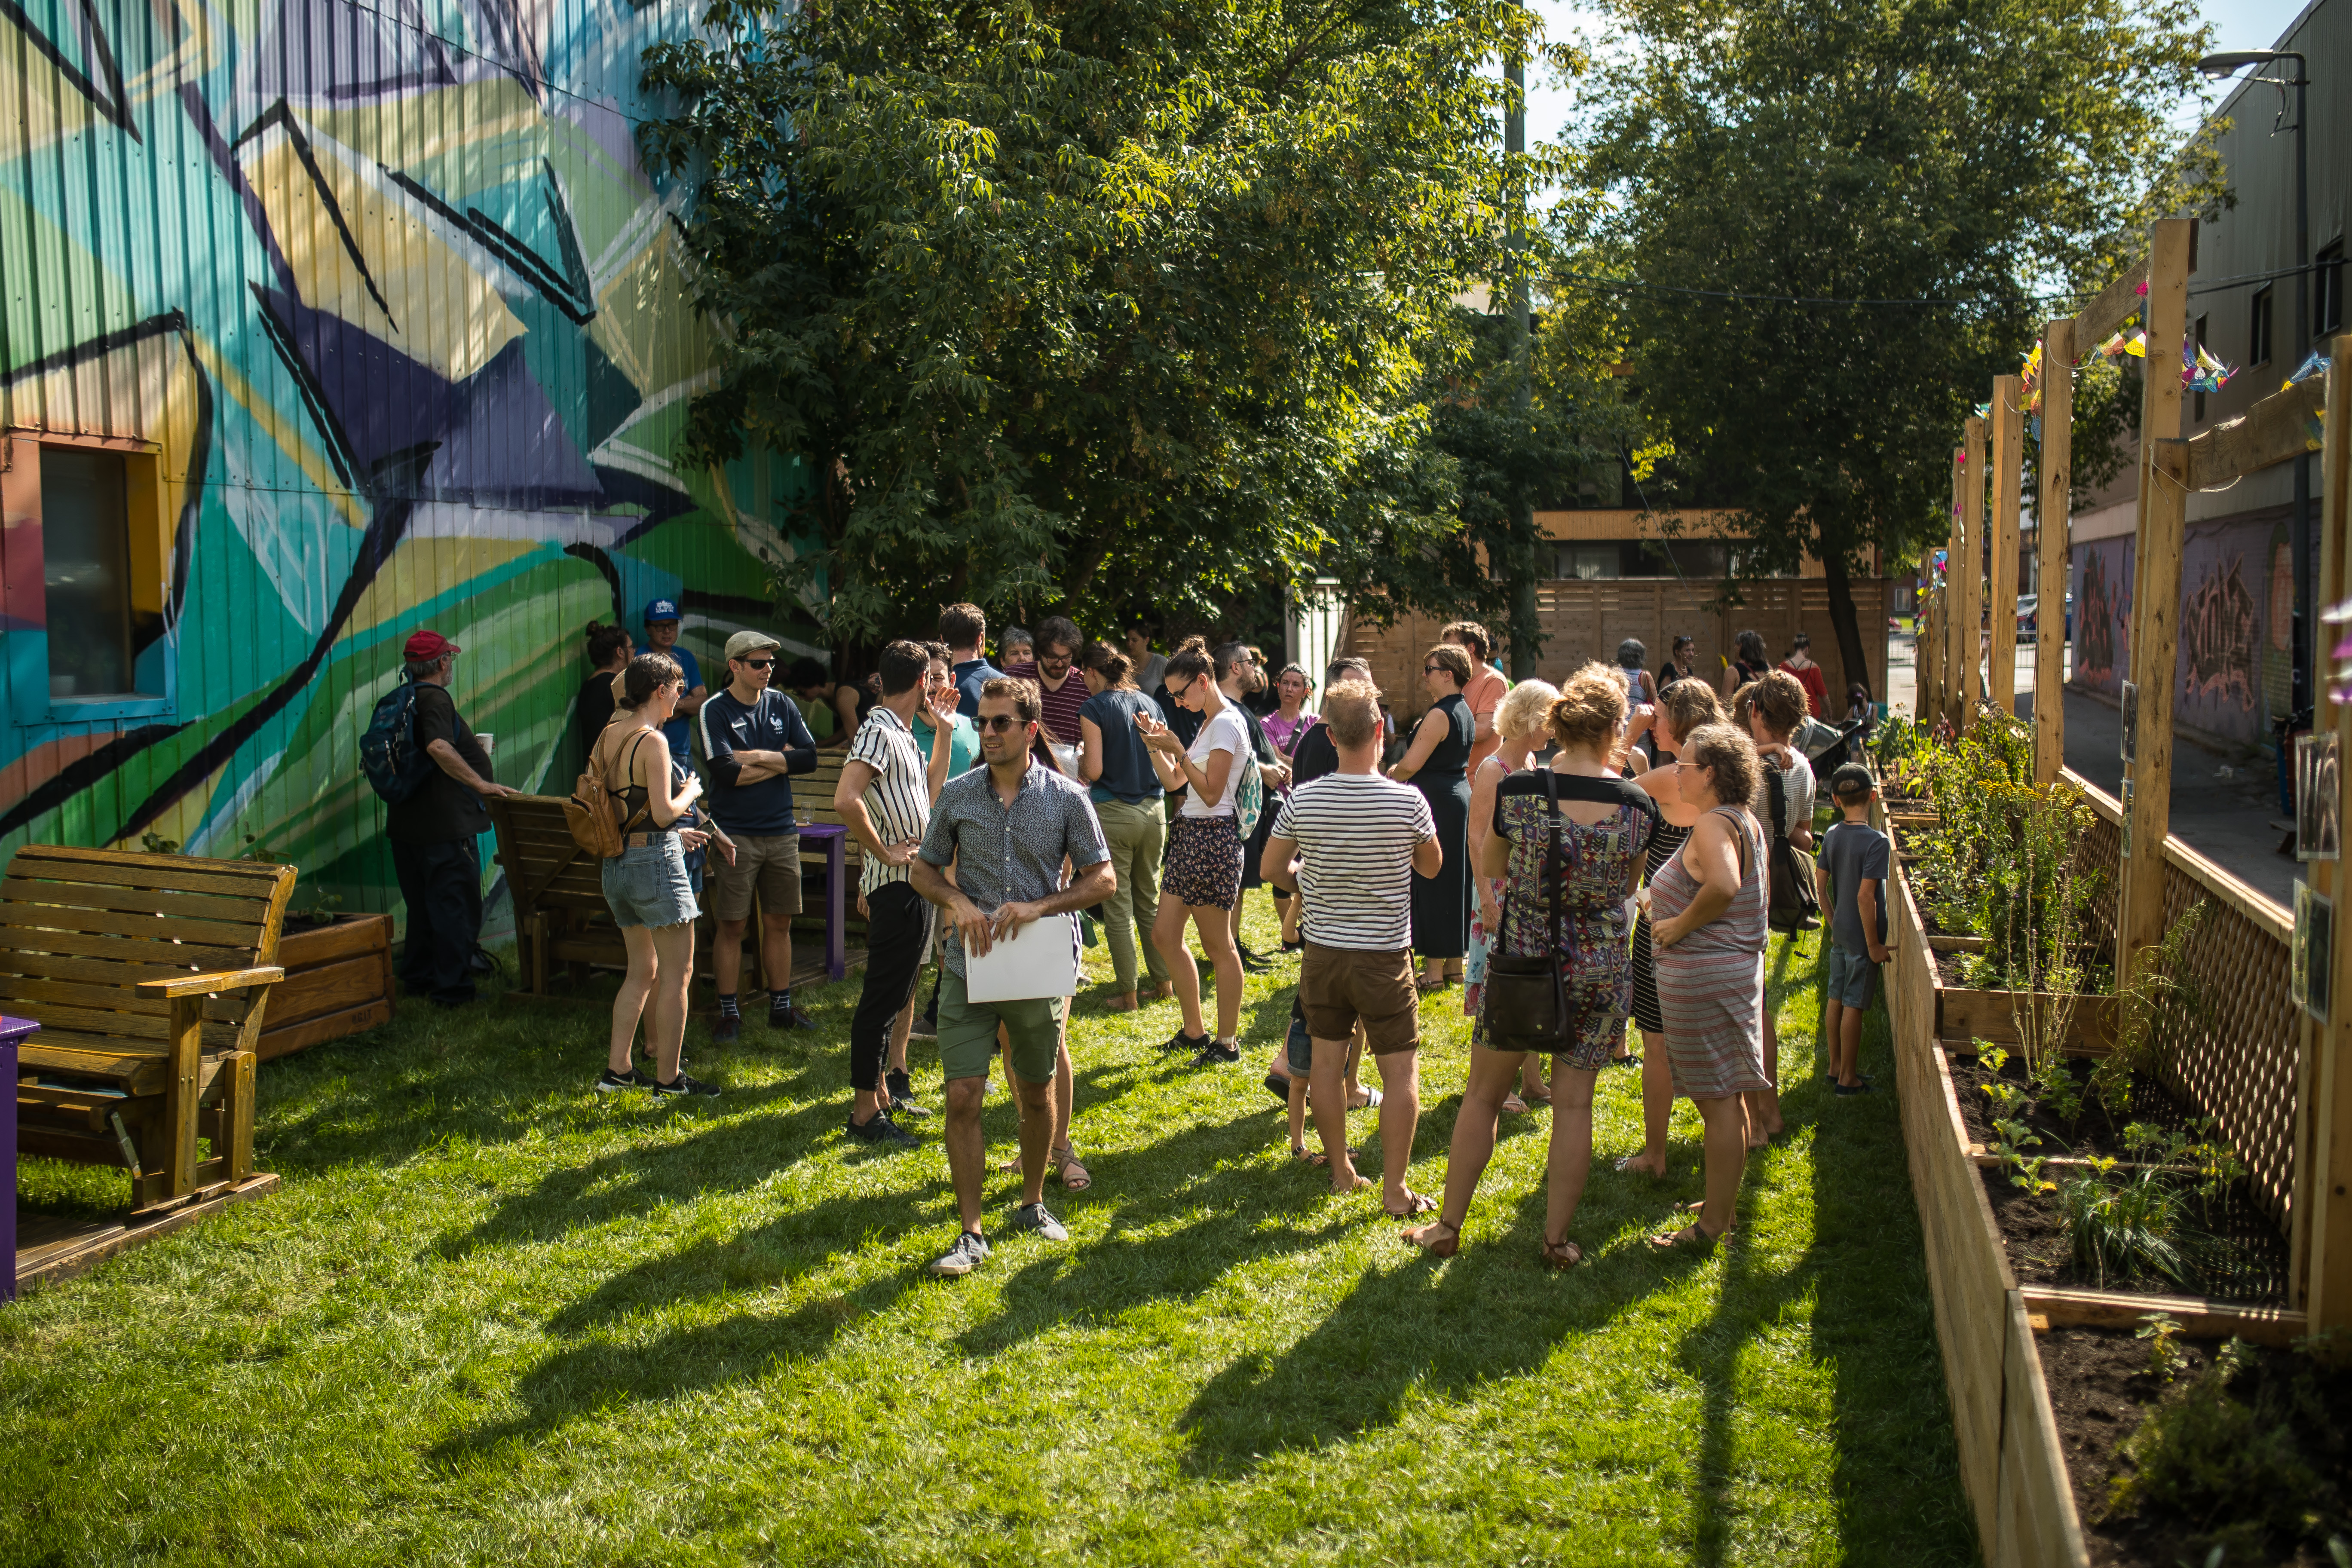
column 661, row 636
column 1852, row 875
column 432, row 831
column 754, row 737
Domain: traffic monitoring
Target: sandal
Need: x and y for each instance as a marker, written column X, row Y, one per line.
column 1561, row 1255
column 1625, row 1166
column 1535, row 1097
column 1514, row 1105
column 1310, row 1157
column 1372, row 1102
column 1426, row 1238
column 1072, row 1176
column 1692, row 1237
column 1415, row 1203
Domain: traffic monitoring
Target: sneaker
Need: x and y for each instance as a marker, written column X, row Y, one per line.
column 968, row 1253
column 880, row 1129
column 1254, row 962
column 789, row 1018
column 1181, row 1041
column 1861, row 1088
column 614, row 1082
column 902, row 1095
column 925, row 1027
column 1032, row 1217
column 729, row 1026
column 1221, row 1053
column 684, row 1088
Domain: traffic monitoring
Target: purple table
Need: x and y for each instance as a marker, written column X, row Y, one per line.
column 835, row 840
column 12, row 1030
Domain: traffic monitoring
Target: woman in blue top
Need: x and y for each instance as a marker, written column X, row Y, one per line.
column 1113, row 759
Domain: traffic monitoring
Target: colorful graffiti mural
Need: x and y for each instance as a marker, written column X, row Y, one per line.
column 382, row 311
column 2103, row 615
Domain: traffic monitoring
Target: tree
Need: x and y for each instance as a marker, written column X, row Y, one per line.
column 1947, row 158
column 1062, row 301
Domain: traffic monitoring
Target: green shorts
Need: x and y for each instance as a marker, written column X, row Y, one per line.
column 968, row 1033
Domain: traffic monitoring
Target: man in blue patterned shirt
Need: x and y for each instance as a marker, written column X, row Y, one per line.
column 1006, row 828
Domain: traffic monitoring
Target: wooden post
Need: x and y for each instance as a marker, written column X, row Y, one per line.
column 1947, row 656
column 1928, row 657
column 2320, row 1269
column 1968, row 602
column 184, row 1040
column 2156, row 600
column 2052, row 523
column 2001, row 474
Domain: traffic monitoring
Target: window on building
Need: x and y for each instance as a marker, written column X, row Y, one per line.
column 86, row 568
column 2258, row 331
column 1588, row 561
column 2199, row 334
column 2327, row 291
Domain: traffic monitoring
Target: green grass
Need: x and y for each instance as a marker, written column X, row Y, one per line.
column 491, row 1318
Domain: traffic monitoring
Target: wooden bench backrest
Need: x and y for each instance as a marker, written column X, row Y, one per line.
column 80, row 928
column 545, row 869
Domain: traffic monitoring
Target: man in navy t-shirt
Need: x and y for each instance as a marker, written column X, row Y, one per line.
column 661, row 636
column 964, row 628
column 753, row 738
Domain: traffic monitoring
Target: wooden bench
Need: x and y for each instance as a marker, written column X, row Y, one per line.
column 148, row 975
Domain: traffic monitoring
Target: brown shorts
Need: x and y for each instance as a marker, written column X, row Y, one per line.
column 1339, row 985
column 770, row 862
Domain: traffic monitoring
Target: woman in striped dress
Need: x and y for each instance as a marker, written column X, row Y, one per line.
column 1708, row 903
column 1683, row 707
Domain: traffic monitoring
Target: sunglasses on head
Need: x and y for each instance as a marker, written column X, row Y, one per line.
column 1000, row 722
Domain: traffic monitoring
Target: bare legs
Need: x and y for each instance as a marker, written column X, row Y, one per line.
column 661, row 962
column 1727, row 1161
column 1842, row 1028
column 967, row 1152
column 1400, row 1114
column 1764, row 1104
column 775, row 954
column 1217, row 942
column 1568, row 1159
column 1491, row 1076
column 1658, row 1105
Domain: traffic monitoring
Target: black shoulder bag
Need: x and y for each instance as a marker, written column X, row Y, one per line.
column 1792, row 901
column 1526, row 997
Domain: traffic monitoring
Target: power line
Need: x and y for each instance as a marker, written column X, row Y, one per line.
column 1587, row 280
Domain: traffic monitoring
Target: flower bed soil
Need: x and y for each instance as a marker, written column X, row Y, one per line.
column 2241, row 1257
column 2102, row 1388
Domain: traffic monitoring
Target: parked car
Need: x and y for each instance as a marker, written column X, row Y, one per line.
column 2029, row 616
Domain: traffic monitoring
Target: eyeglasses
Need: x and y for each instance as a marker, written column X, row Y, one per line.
column 758, row 663
column 1000, row 722
column 1434, row 669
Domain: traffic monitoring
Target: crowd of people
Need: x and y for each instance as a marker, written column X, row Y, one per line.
column 1613, row 849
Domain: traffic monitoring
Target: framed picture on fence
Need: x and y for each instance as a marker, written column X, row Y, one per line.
column 2309, row 982
column 2319, row 797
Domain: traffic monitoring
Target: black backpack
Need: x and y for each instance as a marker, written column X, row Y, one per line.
column 388, row 751
column 1792, row 901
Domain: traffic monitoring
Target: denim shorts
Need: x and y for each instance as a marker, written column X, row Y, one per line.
column 647, row 886
column 1850, row 978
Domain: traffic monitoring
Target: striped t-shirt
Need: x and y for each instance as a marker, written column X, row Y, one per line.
column 1356, row 834
column 899, row 798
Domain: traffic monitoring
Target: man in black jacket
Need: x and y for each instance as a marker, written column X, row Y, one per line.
column 754, row 737
column 432, row 832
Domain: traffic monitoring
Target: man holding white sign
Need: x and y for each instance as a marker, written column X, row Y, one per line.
column 1006, row 827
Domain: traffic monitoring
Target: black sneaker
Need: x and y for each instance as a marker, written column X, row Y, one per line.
column 1254, row 962
column 729, row 1026
column 1181, row 1041
column 615, row 1082
column 902, row 1095
column 925, row 1027
column 880, row 1129
column 789, row 1018
column 1847, row 1088
column 1221, row 1053
column 685, row 1088
column 968, row 1254
column 1032, row 1217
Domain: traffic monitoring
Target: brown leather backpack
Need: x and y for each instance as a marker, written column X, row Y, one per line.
column 594, row 812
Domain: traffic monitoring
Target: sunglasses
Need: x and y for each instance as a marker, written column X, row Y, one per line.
column 1434, row 670
column 1000, row 722
column 758, row 663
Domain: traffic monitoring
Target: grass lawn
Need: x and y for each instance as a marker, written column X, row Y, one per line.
column 493, row 1318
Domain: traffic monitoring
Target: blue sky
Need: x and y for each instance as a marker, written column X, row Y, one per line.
column 2239, row 25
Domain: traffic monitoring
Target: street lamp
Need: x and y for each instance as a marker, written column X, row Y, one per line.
column 2299, row 533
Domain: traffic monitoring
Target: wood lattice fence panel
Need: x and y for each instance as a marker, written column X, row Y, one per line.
column 2235, row 1061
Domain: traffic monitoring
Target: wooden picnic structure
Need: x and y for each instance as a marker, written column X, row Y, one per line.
column 2277, row 1080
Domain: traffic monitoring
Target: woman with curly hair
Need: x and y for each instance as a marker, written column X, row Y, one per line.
column 1520, row 721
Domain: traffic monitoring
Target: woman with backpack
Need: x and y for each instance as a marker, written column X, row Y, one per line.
column 1436, row 762
column 1203, row 877
column 1773, row 708
column 645, row 884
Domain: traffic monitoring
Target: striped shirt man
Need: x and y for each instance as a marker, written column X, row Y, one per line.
column 899, row 800
column 1356, row 834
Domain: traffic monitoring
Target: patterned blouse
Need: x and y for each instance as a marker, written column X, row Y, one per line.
column 1597, row 867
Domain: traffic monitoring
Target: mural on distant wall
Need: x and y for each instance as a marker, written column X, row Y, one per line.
column 2102, row 613
column 2224, row 627
column 382, row 309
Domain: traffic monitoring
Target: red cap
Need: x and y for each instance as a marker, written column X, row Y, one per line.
column 423, row 646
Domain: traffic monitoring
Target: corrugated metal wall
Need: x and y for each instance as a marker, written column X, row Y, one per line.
column 387, row 295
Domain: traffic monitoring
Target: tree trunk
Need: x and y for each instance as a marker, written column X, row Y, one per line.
column 1843, row 620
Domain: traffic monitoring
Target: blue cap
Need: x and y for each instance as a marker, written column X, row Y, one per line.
column 660, row 610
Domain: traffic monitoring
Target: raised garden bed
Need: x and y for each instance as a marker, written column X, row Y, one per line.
column 338, row 982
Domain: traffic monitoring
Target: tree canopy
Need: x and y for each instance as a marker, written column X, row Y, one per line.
column 1070, row 302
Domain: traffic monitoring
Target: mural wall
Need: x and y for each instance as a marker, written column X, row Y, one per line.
column 389, row 328
column 2237, row 600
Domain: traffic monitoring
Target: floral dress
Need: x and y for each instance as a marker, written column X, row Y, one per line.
column 1596, row 869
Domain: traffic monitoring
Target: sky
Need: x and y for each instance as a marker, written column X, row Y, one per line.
column 2237, row 25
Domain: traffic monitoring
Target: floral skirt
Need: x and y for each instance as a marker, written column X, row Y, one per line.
column 1204, row 862
column 1474, row 967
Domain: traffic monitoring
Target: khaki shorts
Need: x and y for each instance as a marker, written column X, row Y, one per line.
column 968, row 1033
column 1339, row 985
column 770, row 862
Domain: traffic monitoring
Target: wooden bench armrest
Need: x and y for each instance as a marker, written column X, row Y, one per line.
column 205, row 984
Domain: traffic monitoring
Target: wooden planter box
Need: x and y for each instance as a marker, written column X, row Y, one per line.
column 338, row 982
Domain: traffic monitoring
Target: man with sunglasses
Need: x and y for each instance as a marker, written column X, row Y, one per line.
column 1006, row 827
column 754, row 737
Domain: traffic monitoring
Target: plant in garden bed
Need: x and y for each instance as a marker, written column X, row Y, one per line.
column 2160, row 991
column 2129, row 1230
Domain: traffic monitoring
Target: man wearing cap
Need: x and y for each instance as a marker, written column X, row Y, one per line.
column 754, row 739
column 432, row 832
column 661, row 636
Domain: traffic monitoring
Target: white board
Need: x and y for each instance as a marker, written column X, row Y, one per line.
column 1040, row 959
